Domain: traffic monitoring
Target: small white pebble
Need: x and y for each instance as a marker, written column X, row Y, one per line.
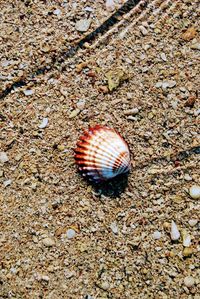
column 187, row 177
column 110, row 5
column 70, row 233
column 132, row 111
column 142, row 56
column 186, row 240
column 183, row 89
column 157, row 235
column 48, row 110
column 28, row 92
column 193, row 222
column 196, row 46
column 5, row 63
column 143, row 30
column 197, row 112
column 48, row 242
column 68, row 274
column 114, row 227
column 129, row 95
column 174, row 104
column 83, row 25
column 81, row 104
column 44, row 123
column 168, row 84
column 175, row 234
column 171, row 83
column 45, row 278
column 105, row 285
column 195, row 192
column 158, row 84
column 163, row 56
column 158, row 248
column 7, row 183
column 145, row 69
column 13, row 270
column 165, row 84
column 74, row 113
column 88, row 8
column 189, row 281
column 3, row 157
column 57, row 12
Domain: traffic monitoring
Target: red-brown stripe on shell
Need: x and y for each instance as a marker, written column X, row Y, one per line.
column 102, row 154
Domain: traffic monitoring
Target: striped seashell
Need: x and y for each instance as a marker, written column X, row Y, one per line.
column 102, row 154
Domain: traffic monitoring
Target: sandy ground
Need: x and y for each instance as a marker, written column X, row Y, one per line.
column 64, row 238
column 34, row 33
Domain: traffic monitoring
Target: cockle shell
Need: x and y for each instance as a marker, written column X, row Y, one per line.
column 102, row 154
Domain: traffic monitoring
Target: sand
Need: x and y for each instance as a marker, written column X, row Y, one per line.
column 60, row 236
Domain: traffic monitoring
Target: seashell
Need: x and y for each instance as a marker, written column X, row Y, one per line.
column 102, row 154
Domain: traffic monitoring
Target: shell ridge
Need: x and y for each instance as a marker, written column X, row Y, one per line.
column 102, row 154
column 109, row 150
column 99, row 149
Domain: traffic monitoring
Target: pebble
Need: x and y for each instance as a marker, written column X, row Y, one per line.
column 174, row 104
column 83, row 25
column 13, row 270
column 132, row 118
column 158, row 84
column 114, row 228
column 129, row 95
column 163, row 56
column 69, row 274
column 5, row 63
column 28, row 92
column 3, row 157
column 44, row 123
column 175, row 234
column 193, row 222
column 74, row 113
column 168, row 84
column 196, row 46
column 189, row 281
column 48, row 242
column 186, row 240
column 45, row 278
column 197, row 112
column 81, row 104
column 110, row 5
column 145, row 69
column 187, row 177
column 165, row 84
column 157, row 235
column 132, row 111
column 105, row 285
column 70, row 233
column 143, row 30
column 195, row 191
column 183, row 89
column 158, row 248
column 89, row 9
column 18, row 157
column 7, row 183
column 142, row 56
column 57, row 12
